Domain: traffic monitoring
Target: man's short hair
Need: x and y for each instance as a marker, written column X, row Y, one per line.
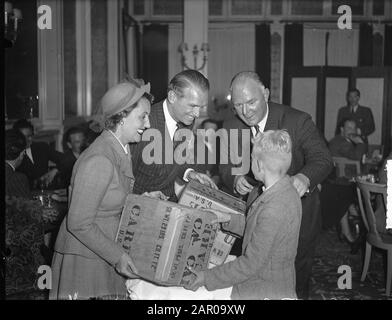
column 246, row 75
column 354, row 90
column 187, row 79
column 15, row 143
column 345, row 120
column 73, row 130
column 208, row 120
column 23, row 124
column 273, row 148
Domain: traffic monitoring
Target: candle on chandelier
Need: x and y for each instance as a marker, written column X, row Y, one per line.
column 7, row 11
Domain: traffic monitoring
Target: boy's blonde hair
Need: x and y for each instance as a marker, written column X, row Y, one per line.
column 273, row 148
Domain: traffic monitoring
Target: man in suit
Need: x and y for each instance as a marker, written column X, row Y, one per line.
column 35, row 164
column 311, row 160
column 348, row 143
column 75, row 139
column 187, row 93
column 363, row 116
column 16, row 183
column 211, row 150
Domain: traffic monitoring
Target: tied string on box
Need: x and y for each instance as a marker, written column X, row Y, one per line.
column 97, row 120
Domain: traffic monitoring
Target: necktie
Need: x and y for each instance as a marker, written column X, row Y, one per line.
column 177, row 141
column 352, row 110
column 257, row 129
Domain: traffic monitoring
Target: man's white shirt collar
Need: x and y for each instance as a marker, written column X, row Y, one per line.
column 125, row 148
column 262, row 123
column 10, row 164
column 29, row 154
column 355, row 108
column 170, row 122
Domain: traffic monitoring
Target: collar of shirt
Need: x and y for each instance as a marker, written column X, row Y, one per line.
column 124, row 147
column 262, row 123
column 10, row 164
column 355, row 108
column 29, row 154
column 170, row 122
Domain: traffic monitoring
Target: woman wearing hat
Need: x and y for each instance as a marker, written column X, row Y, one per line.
column 87, row 261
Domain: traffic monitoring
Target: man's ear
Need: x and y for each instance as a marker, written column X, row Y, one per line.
column 266, row 94
column 69, row 145
column 171, row 96
column 259, row 165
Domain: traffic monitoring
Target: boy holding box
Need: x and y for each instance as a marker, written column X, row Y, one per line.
column 265, row 270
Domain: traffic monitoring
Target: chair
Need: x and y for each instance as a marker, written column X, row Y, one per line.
column 346, row 167
column 374, row 237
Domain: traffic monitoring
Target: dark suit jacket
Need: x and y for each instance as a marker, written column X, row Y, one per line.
column 65, row 167
column 16, row 183
column 42, row 153
column 310, row 153
column 157, row 176
column 311, row 157
column 340, row 147
column 363, row 118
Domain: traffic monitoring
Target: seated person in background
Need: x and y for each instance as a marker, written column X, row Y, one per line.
column 380, row 210
column 75, row 139
column 211, row 150
column 271, row 229
column 382, row 173
column 16, row 183
column 35, row 164
column 338, row 201
column 348, row 143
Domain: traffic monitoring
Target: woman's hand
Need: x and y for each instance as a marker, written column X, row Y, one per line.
column 155, row 195
column 126, row 267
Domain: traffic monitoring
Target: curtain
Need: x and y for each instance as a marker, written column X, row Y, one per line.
column 263, row 53
column 365, row 45
column 293, row 52
column 232, row 49
column 342, row 47
column 175, row 39
column 388, row 45
column 155, row 57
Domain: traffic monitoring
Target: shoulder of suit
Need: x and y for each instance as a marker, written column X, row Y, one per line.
column 233, row 122
column 39, row 145
column 285, row 110
column 365, row 108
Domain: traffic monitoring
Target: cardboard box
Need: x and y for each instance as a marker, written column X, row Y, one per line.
column 196, row 195
column 163, row 238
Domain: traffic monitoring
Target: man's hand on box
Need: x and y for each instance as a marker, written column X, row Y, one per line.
column 198, row 282
column 126, row 267
column 156, row 195
column 242, row 186
column 202, row 178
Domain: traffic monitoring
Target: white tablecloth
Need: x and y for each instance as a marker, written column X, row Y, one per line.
column 142, row 290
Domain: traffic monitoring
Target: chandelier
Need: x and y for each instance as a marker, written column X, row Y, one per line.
column 12, row 22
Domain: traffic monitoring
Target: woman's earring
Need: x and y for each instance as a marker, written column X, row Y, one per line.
column 122, row 122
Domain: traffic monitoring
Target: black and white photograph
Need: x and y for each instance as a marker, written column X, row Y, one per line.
column 197, row 154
